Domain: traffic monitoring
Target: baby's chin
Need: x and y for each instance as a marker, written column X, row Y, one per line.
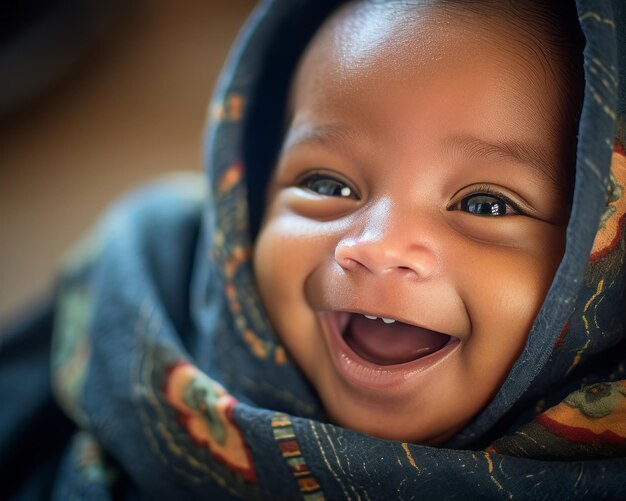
column 392, row 426
column 398, row 433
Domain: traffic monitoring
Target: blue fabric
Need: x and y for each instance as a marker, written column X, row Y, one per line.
column 176, row 385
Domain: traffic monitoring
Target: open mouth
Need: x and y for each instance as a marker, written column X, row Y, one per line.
column 384, row 357
column 386, row 341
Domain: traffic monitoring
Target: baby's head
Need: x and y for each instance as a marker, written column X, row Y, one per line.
column 417, row 212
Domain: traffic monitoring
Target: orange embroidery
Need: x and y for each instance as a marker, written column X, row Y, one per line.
column 612, row 226
column 230, row 110
column 206, row 411
column 595, row 413
column 230, row 178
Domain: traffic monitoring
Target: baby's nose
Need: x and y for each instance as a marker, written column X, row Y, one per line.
column 386, row 246
column 380, row 257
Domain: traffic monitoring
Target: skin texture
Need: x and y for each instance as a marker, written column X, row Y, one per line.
column 414, row 119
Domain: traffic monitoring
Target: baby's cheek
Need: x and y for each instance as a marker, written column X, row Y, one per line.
column 268, row 271
column 284, row 250
column 283, row 259
column 503, row 291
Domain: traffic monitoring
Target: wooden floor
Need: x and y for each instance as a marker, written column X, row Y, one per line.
column 134, row 109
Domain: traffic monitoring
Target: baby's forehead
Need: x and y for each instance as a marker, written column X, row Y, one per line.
column 386, row 38
column 405, row 48
column 365, row 25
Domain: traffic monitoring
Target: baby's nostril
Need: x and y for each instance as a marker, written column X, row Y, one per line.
column 409, row 272
column 347, row 263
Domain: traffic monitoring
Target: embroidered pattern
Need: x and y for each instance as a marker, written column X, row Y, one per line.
column 91, row 461
column 284, row 435
column 596, row 413
column 206, row 411
column 71, row 350
column 611, row 228
column 230, row 110
column 235, row 255
column 590, row 422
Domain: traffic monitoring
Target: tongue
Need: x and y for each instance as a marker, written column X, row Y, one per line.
column 388, row 344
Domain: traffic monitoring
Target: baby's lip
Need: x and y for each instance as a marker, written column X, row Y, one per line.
column 371, row 360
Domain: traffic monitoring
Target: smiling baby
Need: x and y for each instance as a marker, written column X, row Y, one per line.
column 420, row 202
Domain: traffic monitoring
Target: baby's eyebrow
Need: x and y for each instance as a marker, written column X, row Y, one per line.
column 520, row 152
column 335, row 136
column 338, row 137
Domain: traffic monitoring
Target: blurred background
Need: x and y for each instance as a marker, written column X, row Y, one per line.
column 96, row 97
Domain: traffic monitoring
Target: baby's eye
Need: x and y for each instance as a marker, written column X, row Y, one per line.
column 327, row 186
column 485, row 204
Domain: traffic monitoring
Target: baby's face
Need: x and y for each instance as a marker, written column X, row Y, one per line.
column 419, row 182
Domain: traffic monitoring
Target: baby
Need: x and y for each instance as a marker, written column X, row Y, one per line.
column 416, row 214
column 419, row 204
column 417, row 209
